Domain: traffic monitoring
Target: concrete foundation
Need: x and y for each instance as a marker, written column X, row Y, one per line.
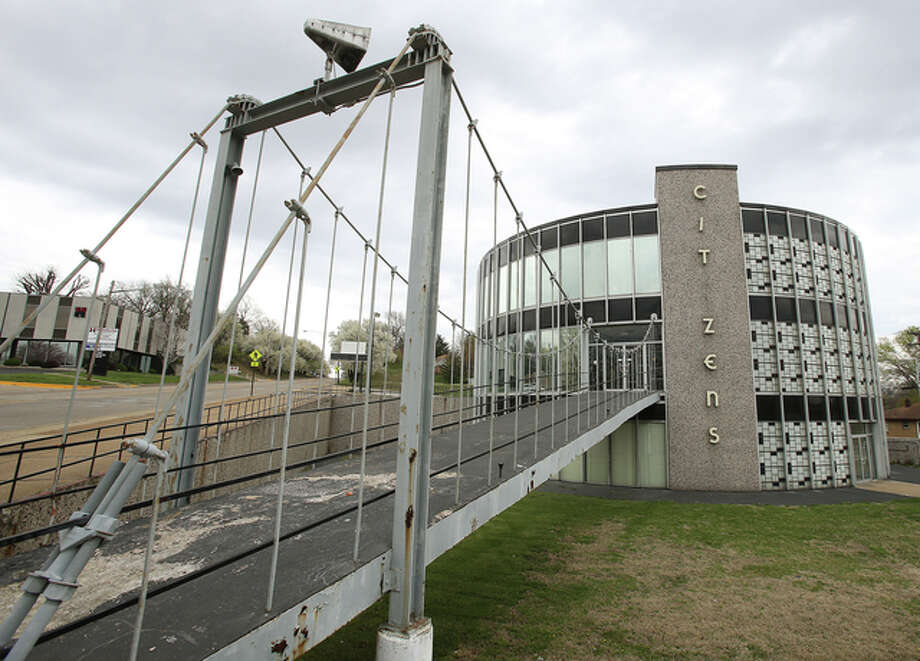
column 417, row 644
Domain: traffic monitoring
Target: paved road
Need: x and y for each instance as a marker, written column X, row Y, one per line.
column 26, row 412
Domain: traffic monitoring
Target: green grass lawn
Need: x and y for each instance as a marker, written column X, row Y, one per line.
column 130, row 378
column 566, row 577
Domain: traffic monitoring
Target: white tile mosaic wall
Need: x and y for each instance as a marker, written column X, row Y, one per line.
column 763, row 347
column 772, row 459
column 840, row 454
column 781, row 263
column 804, row 277
column 756, row 263
column 790, row 359
column 821, row 456
column 797, row 459
column 822, row 273
column 831, row 360
column 811, row 356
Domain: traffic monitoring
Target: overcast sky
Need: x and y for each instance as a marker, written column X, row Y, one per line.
column 816, row 102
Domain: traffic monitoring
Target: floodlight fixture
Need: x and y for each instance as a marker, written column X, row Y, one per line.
column 343, row 44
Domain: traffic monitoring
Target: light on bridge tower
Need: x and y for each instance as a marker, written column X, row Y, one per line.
column 343, row 44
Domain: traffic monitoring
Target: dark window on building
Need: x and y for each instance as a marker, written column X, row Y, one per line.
column 59, row 334
column 513, row 323
column 528, row 246
column 620, row 309
column 853, row 407
column 827, row 313
column 571, row 318
column 502, row 325
column 33, row 300
column 752, row 221
column 653, row 412
column 843, row 319
column 597, row 310
column 592, row 229
column 761, row 310
column 568, row 234
column 617, row 226
column 832, row 236
column 776, row 221
column 808, row 313
column 548, row 239
column 816, row 410
column 546, row 317
column 645, row 222
column 845, row 239
column 785, row 309
column 529, row 320
column 865, row 408
column 514, row 249
column 817, row 231
column 623, row 332
column 503, row 255
column 646, row 306
column 872, row 406
column 794, row 408
column 797, row 223
column 79, row 313
column 836, row 406
column 768, row 408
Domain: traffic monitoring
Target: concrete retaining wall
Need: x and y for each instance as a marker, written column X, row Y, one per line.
column 904, row 450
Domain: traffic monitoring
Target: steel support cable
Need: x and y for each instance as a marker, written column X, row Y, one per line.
column 507, row 193
column 493, row 286
column 287, row 415
column 370, row 322
column 121, row 221
column 148, row 557
column 76, row 377
column 351, row 224
column 322, row 370
column 287, row 300
column 185, row 380
column 354, row 377
column 252, row 206
column 466, row 234
column 386, row 363
column 171, row 332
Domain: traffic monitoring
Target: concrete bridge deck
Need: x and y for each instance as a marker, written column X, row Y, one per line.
column 215, row 556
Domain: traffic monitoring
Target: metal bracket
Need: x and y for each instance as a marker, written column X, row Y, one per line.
column 391, row 580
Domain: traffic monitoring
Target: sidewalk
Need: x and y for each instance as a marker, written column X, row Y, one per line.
column 903, row 483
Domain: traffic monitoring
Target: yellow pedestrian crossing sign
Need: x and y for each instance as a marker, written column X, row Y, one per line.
column 254, row 356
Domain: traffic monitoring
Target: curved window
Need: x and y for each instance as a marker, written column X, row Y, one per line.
column 552, row 261
column 648, row 280
column 503, row 289
column 530, row 282
column 595, row 269
column 571, row 271
column 619, row 266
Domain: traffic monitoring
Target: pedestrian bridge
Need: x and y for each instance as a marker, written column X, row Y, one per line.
column 216, row 610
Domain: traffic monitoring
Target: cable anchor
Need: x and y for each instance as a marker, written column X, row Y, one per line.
column 297, row 209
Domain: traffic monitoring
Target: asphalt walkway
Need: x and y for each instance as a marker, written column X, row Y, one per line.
column 904, row 482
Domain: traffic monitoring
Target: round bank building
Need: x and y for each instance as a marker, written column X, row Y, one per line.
column 753, row 320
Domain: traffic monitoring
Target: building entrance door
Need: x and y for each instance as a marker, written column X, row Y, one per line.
column 862, row 458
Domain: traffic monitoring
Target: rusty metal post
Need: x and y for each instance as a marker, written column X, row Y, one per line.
column 410, row 510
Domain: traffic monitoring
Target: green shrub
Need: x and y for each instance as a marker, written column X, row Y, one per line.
column 12, row 361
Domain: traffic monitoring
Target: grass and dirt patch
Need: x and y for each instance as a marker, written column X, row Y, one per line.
column 566, row 577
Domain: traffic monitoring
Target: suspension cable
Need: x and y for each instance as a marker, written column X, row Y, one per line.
column 287, row 413
column 370, row 321
column 322, row 371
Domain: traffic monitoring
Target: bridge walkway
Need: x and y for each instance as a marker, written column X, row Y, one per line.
column 213, row 557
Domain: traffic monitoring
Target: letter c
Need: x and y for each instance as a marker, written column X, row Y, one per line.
column 700, row 192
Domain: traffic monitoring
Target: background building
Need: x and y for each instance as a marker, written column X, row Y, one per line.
column 62, row 325
column 761, row 336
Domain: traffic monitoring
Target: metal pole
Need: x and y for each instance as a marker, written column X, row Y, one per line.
column 204, row 303
column 466, row 234
column 386, row 362
column 354, row 378
column 410, row 509
column 493, row 324
column 319, row 392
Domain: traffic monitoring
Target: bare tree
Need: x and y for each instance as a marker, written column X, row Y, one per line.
column 42, row 282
